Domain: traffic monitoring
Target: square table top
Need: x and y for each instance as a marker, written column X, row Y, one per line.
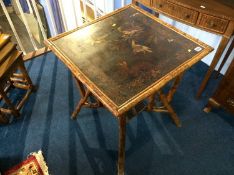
column 126, row 56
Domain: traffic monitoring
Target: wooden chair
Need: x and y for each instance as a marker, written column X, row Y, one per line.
column 13, row 74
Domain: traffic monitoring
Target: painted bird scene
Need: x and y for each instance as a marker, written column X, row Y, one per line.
column 125, row 53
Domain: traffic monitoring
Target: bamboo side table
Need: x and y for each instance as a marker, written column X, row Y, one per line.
column 124, row 58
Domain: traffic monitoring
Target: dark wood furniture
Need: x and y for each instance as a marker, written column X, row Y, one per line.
column 224, row 95
column 216, row 16
column 11, row 61
column 124, row 58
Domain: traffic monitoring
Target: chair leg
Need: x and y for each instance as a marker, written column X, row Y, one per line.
column 3, row 118
column 14, row 111
column 25, row 74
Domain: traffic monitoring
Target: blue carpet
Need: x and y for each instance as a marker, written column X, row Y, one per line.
column 88, row 146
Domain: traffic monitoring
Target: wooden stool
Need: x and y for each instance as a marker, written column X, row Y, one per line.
column 11, row 63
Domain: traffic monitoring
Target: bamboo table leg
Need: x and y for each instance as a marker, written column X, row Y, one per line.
column 84, row 102
column 174, row 116
column 82, row 93
column 122, row 125
column 174, row 87
column 80, row 104
column 80, row 87
column 151, row 102
column 166, row 99
column 121, row 154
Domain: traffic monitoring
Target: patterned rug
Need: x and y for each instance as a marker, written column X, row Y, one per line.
column 33, row 165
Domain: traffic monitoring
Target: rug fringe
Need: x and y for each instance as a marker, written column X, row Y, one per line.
column 41, row 161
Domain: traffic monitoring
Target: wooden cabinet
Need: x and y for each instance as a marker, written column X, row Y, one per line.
column 195, row 13
column 177, row 11
column 224, row 95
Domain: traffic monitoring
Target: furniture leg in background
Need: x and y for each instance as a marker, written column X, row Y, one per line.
column 211, row 104
column 12, row 74
column 224, row 94
column 19, row 80
column 225, row 39
column 229, row 51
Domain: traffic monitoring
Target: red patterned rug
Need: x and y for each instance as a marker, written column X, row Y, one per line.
column 33, row 165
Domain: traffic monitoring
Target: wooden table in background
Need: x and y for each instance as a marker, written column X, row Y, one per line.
column 124, row 58
column 216, row 16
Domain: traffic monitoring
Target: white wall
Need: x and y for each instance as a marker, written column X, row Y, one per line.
column 52, row 31
column 72, row 13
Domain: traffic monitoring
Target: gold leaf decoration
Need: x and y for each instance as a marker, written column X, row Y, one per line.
column 130, row 32
column 137, row 48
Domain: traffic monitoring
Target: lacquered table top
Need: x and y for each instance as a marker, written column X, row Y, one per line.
column 125, row 55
